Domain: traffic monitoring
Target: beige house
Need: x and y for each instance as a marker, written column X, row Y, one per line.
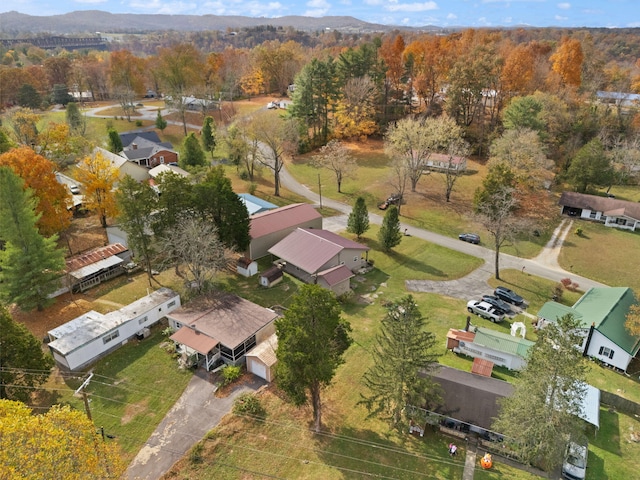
column 220, row 329
column 322, row 257
column 268, row 228
column 261, row 360
column 124, row 166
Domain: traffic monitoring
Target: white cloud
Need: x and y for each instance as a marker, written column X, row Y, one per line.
column 411, row 7
column 561, row 18
column 564, row 6
column 372, row 2
column 452, row 16
column 317, row 8
column 90, row 1
column 238, row 7
column 166, row 8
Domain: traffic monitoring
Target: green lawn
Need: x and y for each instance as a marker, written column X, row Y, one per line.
column 602, row 253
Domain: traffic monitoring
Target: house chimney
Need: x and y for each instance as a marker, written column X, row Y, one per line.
column 134, row 146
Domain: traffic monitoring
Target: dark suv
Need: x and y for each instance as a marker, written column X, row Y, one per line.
column 503, row 293
column 497, row 303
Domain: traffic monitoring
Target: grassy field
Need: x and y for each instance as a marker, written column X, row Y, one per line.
column 602, row 253
column 426, row 207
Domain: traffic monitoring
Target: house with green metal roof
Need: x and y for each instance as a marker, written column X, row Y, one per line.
column 602, row 312
column 499, row 348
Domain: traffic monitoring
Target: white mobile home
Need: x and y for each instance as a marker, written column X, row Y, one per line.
column 93, row 335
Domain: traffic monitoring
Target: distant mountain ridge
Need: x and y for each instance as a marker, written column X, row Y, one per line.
column 91, row 21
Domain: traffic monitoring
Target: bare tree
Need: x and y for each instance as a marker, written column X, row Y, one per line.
column 399, row 178
column 276, row 137
column 194, row 244
column 496, row 214
column 456, row 150
column 335, row 157
column 415, row 140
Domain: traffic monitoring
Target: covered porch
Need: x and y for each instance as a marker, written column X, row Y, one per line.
column 195, row 348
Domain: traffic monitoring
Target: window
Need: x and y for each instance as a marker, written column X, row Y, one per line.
column 110, row 336
column 606, row 352
column 592, row 214
column 142, row 320
column 171, row 304
column 161, row 159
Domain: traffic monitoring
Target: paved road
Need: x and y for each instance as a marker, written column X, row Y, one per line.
column 545, row 265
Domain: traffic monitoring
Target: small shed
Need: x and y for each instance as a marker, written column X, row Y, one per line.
column 247, row 267
column 261, row 360
column 271, row 276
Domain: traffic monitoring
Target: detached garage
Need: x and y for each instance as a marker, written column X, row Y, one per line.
column 261, row 360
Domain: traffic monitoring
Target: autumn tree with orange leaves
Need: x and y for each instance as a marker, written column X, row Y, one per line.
column 38, row 174
column 567, row 61
column 99, row 178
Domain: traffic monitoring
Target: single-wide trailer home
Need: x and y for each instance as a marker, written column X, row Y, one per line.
column 85, row 339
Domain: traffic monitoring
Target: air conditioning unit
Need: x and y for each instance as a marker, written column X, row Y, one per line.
column 144, row 333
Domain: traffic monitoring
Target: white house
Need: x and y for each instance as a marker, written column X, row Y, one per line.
column 602, row 313
column 610, row 211
column 499, row 348
column 85, row 339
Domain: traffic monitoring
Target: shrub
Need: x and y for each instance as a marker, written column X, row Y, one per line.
column 230, row 374
column 566, row 282
column 167, row 332
column 244, row 175
column 138, row 123
column 195, row 455
column 249, row 404
column 558, row 290
column 253, row 186
column 579, row 231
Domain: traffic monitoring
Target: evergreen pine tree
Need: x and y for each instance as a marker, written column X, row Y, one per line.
column 209, row 135
column 192, row 154
column 115, row 143
column 358, row 221
column 74, row 118
column 389, row 235
column 30, row 262
column 161, row 123
column 403, row 352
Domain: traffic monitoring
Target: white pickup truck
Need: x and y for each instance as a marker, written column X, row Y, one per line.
column 485, row 310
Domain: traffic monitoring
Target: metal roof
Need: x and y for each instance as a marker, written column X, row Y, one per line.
column 200, row 342
column 502, row 342
column 96, row 267
column 282, row 218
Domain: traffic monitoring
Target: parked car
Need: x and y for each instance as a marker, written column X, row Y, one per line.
column 470, row 237
column 485, row 310
column 503, row 293
column 74, row 189
column 499, row 304
column 574, row 466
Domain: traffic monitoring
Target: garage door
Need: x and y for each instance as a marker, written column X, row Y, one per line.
column 257, row 368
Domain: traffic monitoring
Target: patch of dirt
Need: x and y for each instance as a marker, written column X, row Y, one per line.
column 66, row 308
column 132, row 410
column 84, row 234
column 223, row 392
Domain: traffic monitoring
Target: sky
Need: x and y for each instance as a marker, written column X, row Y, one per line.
column 413, row 13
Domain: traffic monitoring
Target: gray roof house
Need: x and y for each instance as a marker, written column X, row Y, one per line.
column 610, row 211
column 321, row 256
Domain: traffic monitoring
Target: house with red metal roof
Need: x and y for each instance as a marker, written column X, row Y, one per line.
column 95, row 266
column 270, row 227
column 322, row 257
